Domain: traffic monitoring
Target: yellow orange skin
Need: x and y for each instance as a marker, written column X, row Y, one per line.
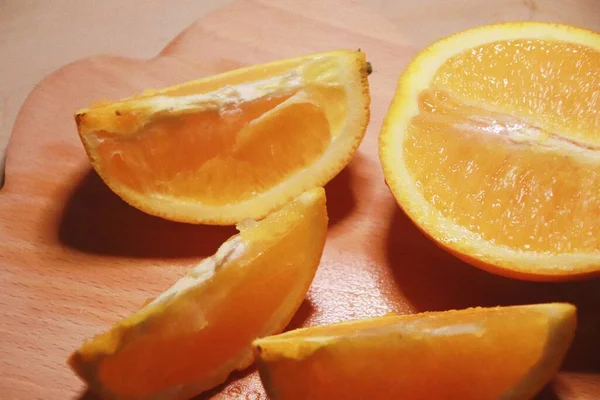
column 232, row 146
column 494, row 353
column 554, row 146
column 191, row 338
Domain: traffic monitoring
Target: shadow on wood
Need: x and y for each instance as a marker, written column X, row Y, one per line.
column 340, row 199
column 88, row 395
column 234, row 386
column 434, row 280
column 95, row 220
column 547, row 393
column 305, row 311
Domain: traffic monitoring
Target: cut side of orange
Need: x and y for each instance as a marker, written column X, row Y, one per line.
column 491, row 146
column 478, row 353
column 192, row 336
column 232, row 146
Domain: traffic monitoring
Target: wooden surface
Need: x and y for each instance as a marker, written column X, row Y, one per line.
column 39, row 36
column 74, row 258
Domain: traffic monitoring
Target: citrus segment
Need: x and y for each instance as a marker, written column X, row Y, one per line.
column 231, row 164
column 550, row 82
column 233, row 146
column 192, row 336
column 492, row 148
column 479, row 353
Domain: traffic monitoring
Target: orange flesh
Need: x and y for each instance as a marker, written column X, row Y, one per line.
column 210, row 327
column 236, row 145
column 232, row 324
column 221, row 155
column 513, row 129
column 462, row 355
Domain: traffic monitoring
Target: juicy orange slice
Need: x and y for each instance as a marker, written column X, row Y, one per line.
column 491, row 147
column 479, row 354
column 232, row 146
column 192, row 336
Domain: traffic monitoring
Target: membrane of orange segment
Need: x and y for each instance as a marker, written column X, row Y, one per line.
column 478, row 354
column 492, row 146
column 192, row 336
column 235, row 145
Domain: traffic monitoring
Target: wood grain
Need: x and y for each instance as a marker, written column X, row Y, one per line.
column 74, row 258
column 40, row 36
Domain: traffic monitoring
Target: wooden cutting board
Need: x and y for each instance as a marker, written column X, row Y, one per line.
column 74, row 258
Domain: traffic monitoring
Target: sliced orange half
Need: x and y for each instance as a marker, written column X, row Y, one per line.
column 492, row 147
column 192, row 336
column 480, row 353
column 235, row 145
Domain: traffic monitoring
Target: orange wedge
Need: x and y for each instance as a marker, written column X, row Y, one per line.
column 192, row 336
column 492, row 147
column 232, row 146
column 478, row 353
